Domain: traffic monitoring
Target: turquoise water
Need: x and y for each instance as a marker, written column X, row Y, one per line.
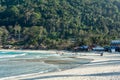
column 20, row 63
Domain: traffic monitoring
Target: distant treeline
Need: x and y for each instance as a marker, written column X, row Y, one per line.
column 59, row 23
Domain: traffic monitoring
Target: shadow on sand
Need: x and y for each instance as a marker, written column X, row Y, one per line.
column 58, row 76
column 104, row 63
column 109, row 62
column 104, row 74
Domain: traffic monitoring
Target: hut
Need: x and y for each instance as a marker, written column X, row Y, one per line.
column 115, row 45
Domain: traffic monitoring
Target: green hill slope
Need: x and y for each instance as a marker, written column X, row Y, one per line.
column 58, row 22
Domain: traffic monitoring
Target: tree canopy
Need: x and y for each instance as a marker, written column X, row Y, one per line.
column 38, row 22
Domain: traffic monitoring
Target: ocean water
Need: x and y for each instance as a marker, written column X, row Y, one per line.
column 20, row 63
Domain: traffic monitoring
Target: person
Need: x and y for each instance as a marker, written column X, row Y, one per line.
column 62, row 53
column 101, row 53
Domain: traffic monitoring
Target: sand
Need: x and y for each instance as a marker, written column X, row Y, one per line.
column 106, row 67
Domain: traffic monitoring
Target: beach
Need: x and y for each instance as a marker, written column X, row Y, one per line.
column 106, row 67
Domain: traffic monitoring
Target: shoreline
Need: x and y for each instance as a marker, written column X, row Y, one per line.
column 105, row 67
column 34, row 51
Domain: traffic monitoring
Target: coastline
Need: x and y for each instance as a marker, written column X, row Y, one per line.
column 34, row 51
column 105, row 67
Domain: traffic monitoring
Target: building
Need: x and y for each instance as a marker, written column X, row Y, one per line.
column 81, row 48
column 98, row 48
column 115, row 45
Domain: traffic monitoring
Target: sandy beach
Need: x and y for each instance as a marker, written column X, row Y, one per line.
column 106, row 67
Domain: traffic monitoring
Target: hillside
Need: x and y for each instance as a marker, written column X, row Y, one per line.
column 59, row 23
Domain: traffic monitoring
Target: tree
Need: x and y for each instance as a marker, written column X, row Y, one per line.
column 4, row 35
column 35, row 18
column 17, row 31
column 34, row 34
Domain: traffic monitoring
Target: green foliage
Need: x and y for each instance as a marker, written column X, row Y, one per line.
column 38, row 22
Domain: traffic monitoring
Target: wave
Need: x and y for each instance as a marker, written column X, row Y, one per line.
column 14, row 55
column 3, row 52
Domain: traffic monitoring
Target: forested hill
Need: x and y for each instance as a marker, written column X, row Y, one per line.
column 55, row 23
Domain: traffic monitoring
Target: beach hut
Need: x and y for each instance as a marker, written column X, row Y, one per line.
column 115, row 45
column 98, row 48
column 81, row 48
column 7, row 46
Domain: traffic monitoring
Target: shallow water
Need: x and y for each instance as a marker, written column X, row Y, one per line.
column 19, row 63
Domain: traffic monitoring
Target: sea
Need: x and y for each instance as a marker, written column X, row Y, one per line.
column 21, row 63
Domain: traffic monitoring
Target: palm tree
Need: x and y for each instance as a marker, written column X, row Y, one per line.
column 17, row 29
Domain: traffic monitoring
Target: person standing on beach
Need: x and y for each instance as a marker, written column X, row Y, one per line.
column 101, row 53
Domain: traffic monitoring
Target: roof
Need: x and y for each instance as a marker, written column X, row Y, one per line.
column 115, row 42
column 98, row 48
